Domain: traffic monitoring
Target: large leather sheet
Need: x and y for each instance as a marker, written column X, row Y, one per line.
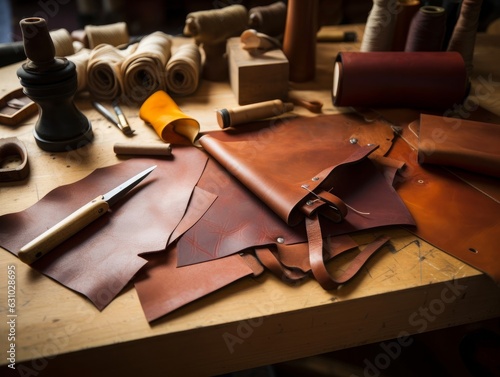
column 451, row 213
column 102, row 258
column 239, row 219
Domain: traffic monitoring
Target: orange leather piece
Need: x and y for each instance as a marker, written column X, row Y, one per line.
column 167, row 119
column 449, row 213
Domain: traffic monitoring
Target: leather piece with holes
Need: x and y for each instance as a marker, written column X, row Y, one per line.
column 450, row 213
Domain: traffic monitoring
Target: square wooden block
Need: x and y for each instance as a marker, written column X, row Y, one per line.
column 257, row 78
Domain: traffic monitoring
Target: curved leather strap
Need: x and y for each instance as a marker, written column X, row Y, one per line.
column 270, row 261
column 319, row 270
column 330, row 206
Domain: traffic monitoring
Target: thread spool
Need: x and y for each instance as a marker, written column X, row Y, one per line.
column 268, row 19
column 422, row 80
column 113, row 34
column 51, row 83
column 379, row 29
column 427, row 29
column 253, row 112
column 463, row 38
column 299, row 42
column 406, row 11
column 452, row 10
column 211, row 29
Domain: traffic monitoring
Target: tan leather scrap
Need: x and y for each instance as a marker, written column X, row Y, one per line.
column 451, row 211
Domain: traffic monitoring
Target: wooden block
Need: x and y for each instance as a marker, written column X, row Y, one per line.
column 256, row 78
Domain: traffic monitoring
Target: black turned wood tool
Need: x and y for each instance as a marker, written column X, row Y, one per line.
column 51, row 83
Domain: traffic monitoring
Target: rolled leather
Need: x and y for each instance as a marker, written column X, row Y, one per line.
column 461, row 143
column 434, row 80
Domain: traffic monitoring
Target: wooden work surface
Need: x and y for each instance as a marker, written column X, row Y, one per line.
column 411, row 289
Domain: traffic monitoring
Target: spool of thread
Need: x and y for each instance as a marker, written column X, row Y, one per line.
column 427, row 29
column 422, row 80
column 463, row 38
column 253, row 112
column 143, row 149
column 216, row 25
column 299, row 42
column 211, row 29
column 113, row 34
column 380, row 25
column 406, row 11
column 452, row 10
column 268, row 19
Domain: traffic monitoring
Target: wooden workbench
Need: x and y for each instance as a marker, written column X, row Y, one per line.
column 411, row 289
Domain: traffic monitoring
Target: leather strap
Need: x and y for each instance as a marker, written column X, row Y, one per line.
column 270, row 261
column 318, row 267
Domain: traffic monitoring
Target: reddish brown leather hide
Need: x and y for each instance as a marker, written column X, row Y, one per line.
column 466, row 144
column 163, row 287
column 274, row 162
column 102, row 258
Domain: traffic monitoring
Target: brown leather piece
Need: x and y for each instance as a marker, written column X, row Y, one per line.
column 236, row 221
column 449, row 213
column 282, row 171
column 274, row 163
column 465, row 144
column 102, row 258
column 163, row 287
column 291, row 262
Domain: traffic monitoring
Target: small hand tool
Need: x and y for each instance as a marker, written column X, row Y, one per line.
column 76, row 221
column 121, row 119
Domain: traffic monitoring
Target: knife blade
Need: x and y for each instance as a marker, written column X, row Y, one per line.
column 77, row 220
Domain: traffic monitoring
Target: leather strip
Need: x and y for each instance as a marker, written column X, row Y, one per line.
column 269, row 260
column 318, row 267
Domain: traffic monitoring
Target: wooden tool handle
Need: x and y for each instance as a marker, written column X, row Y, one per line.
column 60, row 232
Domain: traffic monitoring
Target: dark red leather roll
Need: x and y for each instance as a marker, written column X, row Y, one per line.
column 428, row 80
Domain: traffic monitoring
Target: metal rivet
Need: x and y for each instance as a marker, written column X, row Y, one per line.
column 315, row 179
column 310, row 202
column 280, row 240
column 420, row 181
column 370, row 144
column 353, row 140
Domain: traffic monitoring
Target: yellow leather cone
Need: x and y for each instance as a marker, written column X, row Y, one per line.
column 169, row 122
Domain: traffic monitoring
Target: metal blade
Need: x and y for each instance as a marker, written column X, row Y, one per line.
column 119, row 192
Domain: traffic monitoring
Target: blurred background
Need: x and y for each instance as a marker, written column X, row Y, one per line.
column 146, row 16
